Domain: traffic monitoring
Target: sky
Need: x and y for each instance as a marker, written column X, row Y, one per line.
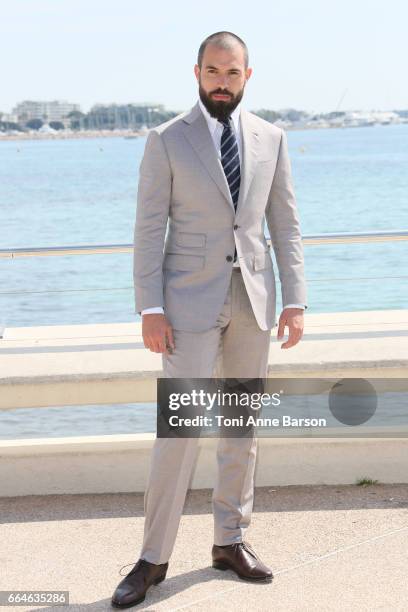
column 314, row 55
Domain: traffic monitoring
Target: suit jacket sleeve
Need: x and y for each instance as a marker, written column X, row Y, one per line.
column 153, row 202
column 284, row 229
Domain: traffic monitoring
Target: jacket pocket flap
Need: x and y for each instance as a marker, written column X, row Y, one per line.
column 178, row 261
column 262, row 260
column 190, row 239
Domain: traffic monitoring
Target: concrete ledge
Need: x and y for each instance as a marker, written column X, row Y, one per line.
column 106, row 364
column 119, row 463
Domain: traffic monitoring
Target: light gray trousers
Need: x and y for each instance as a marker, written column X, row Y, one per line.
column 235, row 348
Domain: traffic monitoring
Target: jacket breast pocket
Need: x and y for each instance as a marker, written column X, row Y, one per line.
column 179, row 261
column 262, row 260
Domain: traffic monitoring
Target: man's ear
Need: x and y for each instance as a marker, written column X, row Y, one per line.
column 197, row 71
column 248, row 73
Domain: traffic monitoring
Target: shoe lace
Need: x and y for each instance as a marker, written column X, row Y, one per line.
column 248, row 548
column 136, row 565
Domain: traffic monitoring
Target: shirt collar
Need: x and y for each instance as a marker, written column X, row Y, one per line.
column 213, row 122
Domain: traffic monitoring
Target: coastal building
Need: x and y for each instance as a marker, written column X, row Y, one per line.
column 54, row 110
column 8, row 117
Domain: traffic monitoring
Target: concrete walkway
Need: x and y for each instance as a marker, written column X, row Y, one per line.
column 332, row 548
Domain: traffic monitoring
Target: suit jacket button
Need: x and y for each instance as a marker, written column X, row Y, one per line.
column 229, row 258
column 236, row 226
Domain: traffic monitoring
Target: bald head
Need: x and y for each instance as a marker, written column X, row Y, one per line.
column 223, row 40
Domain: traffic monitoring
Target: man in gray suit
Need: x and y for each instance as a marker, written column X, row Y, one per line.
column 205, row 287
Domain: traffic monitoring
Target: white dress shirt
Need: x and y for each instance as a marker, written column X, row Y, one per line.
column 216, row 128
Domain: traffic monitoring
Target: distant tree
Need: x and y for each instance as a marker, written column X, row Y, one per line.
column 334, row 115
column 77, row 120
column 268, row 115
column 57, row 125
column 292, row 114
column 10, row 125
column 34, row 124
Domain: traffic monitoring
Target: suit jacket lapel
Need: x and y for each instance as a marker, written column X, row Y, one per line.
column 250, row 147
column 196, row 131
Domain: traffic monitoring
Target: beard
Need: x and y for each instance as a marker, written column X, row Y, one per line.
column 220, row 109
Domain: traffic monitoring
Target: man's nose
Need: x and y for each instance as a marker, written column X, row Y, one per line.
column 223, row 82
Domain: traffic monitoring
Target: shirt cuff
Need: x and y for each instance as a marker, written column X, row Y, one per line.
column 153, row 310
column 302, row 306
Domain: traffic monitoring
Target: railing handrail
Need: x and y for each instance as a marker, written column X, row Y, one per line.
column 93, row 249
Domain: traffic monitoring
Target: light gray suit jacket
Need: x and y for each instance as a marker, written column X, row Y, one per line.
column 186, row 227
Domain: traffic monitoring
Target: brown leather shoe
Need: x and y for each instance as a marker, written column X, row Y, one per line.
column 243, row 560
column 133, row 588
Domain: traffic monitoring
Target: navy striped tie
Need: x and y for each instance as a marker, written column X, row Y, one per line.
column 230, row 162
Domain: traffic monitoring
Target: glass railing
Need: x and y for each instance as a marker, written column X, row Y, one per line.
column 323, row 270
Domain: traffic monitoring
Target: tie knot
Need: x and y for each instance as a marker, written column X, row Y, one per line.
column 225, row 122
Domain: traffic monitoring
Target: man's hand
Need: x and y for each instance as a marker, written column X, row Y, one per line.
column 157, row 333
column 293, row 318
